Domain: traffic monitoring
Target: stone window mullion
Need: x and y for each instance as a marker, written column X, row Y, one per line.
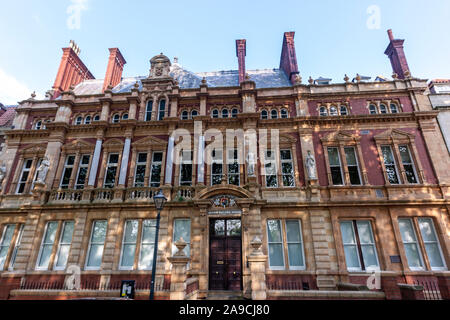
column 73, row 176
column 344, row 166
column 362, row 164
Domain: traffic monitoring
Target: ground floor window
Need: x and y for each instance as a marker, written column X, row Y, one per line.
column 359, row 245
column 285, row 241
column 96, row 244
column 49, row 240
column 182, row 229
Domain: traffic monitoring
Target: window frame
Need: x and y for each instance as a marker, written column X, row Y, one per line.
column 416, row 242
column 188, row 162
column 291, row 161
column 271, row 162
column 357, row 166
column 121, row 267
column 62, row 227
column 153, row 162
column 162, row 105
column 17, row 245
column 81, row 166
column 395, row 164
column 41, row 247
column 111, row 165
column 66, row 167
column 340, row 166
column 8, row 247
column 22, row 171
column 148, row 113
column 88, row 252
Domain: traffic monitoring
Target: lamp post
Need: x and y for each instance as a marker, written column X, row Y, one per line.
column 159, row 200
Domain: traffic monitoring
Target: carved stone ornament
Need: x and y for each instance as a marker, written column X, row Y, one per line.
column 160, row 66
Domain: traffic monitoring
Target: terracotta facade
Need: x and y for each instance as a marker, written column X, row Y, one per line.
column 381, row 176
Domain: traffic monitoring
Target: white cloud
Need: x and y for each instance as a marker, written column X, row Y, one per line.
column 12, row 90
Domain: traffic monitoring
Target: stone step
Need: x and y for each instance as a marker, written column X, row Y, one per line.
column 225, row 295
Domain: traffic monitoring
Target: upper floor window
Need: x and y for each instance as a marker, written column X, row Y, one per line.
column 394, row 108
column 194, row 113
column 97, row 117
column 186, row 168
column 287, row 168
column 408, row 164
column 162, row 109
column 383, row 108
column 233, row 167
column 373, row 109
column 87, row 120
column 215, row 113
column 274, row 114
column 5, row 242
column 148, row 111
column 343, row 110
column 390, row 165
column 333, row 111
column 264, row 115
column 38, row 125
column 234, row 112
column 216, row 167
column 67, row 172
column 111, row 170
column 16, row 248
column 125, row 116
column 155, row 173
column 270, row 169
column 79, row 120
column 224, row 113
column 23, row 178
column 334, row 160
column 185, row 115
column 284, row 113
column 141, row 165
column 359, row 245
column 83, row 168
column 323, row 111
column 116, row 118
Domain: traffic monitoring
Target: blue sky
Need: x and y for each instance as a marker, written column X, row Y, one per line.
column 332, row 37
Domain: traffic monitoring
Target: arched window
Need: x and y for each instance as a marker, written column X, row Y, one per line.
column 79, row 120
column 394, row 108
column 162, row 109
column 234, row 113
column 383, row 108
column 38, row 125
column 333, row 111
column 97, row 117
column 125, row 116
column 323, row 111
column 224, row 113
column 194, row 113
column 284, row 113
column 87, row 120
column 215, row 113
column 344, row 111
column 372, row 109
column 264, row 115
column 116, row 118
column 274, row 114
column 148, row 111
column 184, row 115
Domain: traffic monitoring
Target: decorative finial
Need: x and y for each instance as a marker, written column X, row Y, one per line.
column 395, row 76
column 407, row 74
column 298, row 79
column 136, row 85
column 71, row 88
column 310, row 80
column 358, row 77
column 346, row 78
column 110, row 87
column 204, row 80
column 33, row 95
column 175, row 60
column 247, row 77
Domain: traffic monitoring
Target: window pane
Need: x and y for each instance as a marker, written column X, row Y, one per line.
column 95, row 255
column 348, row 235
column 148, row 231
column 99, row 232
column 365, row 232
column 350, row 156
column 369, row 256
column 219, row 227
column 63, row 255
column 427, row 230
column 295, row 255
column 131, row 231
column 276, row 255
column 406, row 230
column 286, row 168
column 410, row 243
column 67, row 232
column 434, row 255
column 336, row 175
column 274, row 230
column 333, row 157
column 182, row 229
column 412, row 254
column 51, row 232
column 4, row 245
column 351, row 257
column 233, row 227
column 128, row 255
column 45, row 256
column 146, row 258
column 293, row 231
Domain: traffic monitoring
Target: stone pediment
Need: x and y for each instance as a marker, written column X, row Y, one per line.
column 286, row 139
column 394, row 134
column 339, row 136
column 34, row 149
column 149, row 142
column 80, row 145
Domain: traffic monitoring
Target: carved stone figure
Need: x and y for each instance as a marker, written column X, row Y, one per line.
column 251, row 161
column 311, row 166
column 2, row 174
column 42, row 170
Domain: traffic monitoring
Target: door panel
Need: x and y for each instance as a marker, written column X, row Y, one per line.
column 225, row 262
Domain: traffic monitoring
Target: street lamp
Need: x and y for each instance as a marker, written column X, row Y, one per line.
column 159, row 200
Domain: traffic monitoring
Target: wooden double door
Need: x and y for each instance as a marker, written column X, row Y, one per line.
column 225, row 254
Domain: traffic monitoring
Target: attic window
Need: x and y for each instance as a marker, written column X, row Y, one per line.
column 215, row 113
column 96, row 117
column 284, row 113
column 264, row 115
column 323, row 111
column 38, row 125
column 116, row 118
column 234, row 113
column 125, row 116
column 79, row 121
column 87, row 120
column 274, row 114
column 184, row 115
column 194, row 113
column 225, row 113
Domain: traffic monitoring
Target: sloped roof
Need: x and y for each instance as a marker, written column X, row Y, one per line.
column 7, row 118
column 265, row 78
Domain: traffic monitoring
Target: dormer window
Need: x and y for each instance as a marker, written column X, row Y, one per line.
column 79, row 120
column 87, row 120
column 125, row 116
column 116, row 118
column 162, row 109
column 184, row 115
column 215, row 113
column 284, row 113
column 148, row 111
column 225, row 113
column 264, row 115
column 38, row 125
column 274, row 114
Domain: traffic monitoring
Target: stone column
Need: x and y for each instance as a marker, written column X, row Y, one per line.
column 178, row 279
column 257, row 261
column 124, row 163
column 201, row 161
column 94, row 163
column 169, row 161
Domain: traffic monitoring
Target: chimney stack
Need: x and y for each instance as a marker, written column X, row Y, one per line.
column 115, row 68
column 288, row 60
column 241, row 51
column 71, row 70
column 397, row 56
